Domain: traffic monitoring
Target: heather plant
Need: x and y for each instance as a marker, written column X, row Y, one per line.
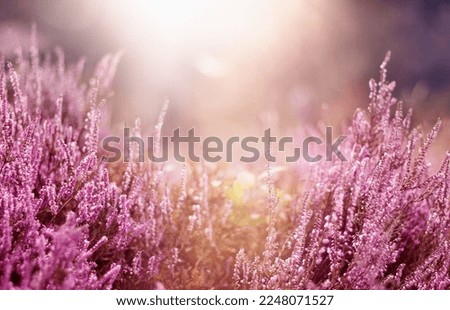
column 64, row 223
column 380, row 219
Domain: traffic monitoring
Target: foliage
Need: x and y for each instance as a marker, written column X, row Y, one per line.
column 70, row 221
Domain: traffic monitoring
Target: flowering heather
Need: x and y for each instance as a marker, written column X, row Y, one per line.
column 64, row 223
column 378, row 220
column 69, row 221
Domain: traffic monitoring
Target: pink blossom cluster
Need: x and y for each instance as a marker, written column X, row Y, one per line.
column 380, row 220
column 64, row 223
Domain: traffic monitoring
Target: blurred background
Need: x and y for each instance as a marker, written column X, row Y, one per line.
column 229, row 66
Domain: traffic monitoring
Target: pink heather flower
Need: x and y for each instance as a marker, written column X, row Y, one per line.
column 64, row 224
column 378, row 220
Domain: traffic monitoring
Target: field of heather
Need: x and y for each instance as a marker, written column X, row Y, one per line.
column 374, row 214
